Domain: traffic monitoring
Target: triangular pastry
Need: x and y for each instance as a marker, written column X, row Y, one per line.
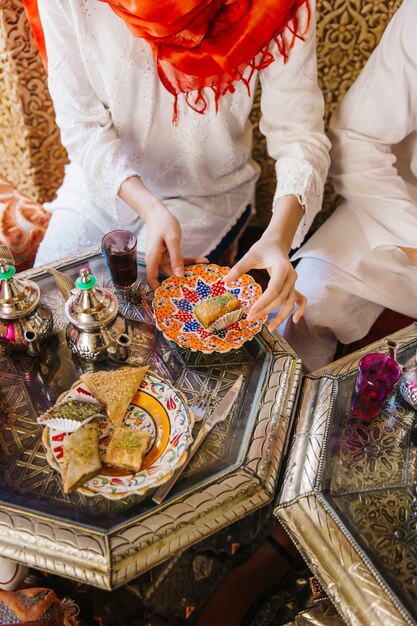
column 115, row 389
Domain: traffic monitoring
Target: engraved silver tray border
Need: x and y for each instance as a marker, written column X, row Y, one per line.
column 351, row 580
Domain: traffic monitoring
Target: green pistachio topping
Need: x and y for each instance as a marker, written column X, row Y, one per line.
column 87, row 450
column 75, row 410
column 129, row 442
column 222, row 300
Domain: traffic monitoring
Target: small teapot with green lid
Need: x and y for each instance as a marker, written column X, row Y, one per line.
column 94, row 320
column 25, row 321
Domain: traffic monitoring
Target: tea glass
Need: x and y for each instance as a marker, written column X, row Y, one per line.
column 376, row 378
column 119, row 248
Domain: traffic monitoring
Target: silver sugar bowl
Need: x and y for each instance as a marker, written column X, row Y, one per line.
column 95, row 324
column 25, row 321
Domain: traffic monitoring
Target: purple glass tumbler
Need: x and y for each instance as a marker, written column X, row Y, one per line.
column 376, row 378
column 119, row 248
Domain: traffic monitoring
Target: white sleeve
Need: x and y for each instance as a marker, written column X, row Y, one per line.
column 292, row 120
column 85, row 123
column 378, row 112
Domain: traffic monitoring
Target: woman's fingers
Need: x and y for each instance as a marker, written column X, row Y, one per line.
column 155, row 267
column 269, row 301
column 196, row 260
column 295, row 300
column 301, row 302
column 243, row 266
column 165, row 265
column 284, row 312
column 152, row 270
column 278, row 290
column 173, row 244
column 278, row 303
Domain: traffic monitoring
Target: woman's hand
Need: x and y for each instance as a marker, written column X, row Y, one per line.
column 269, row 253
column 163, row 245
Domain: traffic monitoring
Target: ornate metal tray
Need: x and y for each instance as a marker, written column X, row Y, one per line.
column 109, row 542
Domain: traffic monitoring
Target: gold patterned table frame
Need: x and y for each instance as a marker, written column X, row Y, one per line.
column 347, row 494
column 40, row 526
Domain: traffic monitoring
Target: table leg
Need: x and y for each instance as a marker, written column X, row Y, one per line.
column 11, row 574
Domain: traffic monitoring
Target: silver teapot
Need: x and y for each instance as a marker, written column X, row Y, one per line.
column 25, row 321
column 95, row 325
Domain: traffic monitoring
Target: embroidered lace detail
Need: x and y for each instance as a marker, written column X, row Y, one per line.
column 297, row 177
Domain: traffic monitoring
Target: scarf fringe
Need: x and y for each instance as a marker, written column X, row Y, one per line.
column 197, row 99
column 71, row 611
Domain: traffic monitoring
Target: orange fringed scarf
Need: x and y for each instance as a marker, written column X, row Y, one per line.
column 31, row 8
column 204, row 43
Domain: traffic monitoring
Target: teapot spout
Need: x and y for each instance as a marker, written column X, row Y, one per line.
column 33, row 346
column 123, row 344
column 120, row 350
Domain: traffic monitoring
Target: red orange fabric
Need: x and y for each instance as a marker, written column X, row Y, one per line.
column 31, row 8
column 209, row 43
column 202, row 43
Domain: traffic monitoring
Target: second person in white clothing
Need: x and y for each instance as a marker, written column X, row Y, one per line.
column 364, row 258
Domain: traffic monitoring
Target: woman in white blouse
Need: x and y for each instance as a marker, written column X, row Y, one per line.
column 364, row 258
column 181, row 186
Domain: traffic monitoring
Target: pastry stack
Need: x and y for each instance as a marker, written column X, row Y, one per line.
column 111, row 394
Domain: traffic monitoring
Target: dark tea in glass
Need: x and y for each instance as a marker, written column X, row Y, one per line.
column 119, row 248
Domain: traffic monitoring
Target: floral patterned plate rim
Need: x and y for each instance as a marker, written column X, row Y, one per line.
column 157, row 408
column 176, row 298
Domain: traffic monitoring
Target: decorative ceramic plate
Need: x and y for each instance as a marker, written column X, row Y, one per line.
column 176, row 298
column 157, row 408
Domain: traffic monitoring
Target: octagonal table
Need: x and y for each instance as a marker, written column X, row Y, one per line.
column 348, row 498
column 106, row 542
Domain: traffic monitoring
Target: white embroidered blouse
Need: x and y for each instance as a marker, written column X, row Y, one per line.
column 115, row 118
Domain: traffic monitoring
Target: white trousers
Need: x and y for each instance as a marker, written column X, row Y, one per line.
column 342, row 307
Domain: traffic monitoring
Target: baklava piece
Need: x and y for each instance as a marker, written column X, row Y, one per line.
column 219, row 312
column 127, row 448
column 81, row 457
column 69, row 415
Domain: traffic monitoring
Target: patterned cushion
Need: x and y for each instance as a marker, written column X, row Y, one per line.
column 33, row 607
column 22, row 224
